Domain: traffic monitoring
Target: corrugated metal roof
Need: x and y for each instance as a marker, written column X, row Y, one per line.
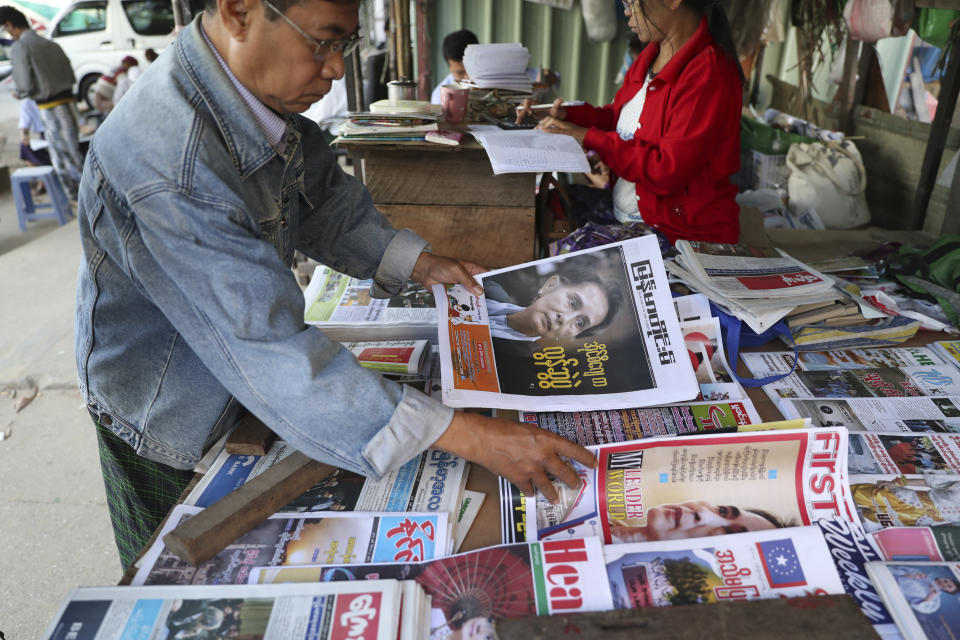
column 556, row 38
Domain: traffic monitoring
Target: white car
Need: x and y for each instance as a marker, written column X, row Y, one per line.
column 97, row 34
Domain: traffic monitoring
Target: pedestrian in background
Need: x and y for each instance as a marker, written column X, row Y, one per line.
column 42, row 71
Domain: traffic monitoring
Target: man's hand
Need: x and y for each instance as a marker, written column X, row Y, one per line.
column 553, row 125
column 521, row 453
column 556, row 111
column 431, row 270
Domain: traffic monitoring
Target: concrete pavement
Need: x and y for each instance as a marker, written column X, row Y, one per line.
column 54, row 527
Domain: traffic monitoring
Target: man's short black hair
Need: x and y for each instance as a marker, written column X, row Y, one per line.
column 13, row 16
column 456, row 43
column 282, row 5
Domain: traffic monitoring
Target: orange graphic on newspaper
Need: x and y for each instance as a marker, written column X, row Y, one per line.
column 470, row 343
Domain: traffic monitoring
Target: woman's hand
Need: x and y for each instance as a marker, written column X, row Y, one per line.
column 555, row 111
column 521, row 453
column 431, row 270
column 553, row 125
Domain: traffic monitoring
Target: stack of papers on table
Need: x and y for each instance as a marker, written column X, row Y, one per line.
column 759, row 286
column 530, row 151
column 498, row 66
column 386, row 126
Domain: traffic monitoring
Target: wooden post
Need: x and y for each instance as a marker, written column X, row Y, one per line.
column 951, row 216
column 848, row 89
column 950, row 87
column 423, row 52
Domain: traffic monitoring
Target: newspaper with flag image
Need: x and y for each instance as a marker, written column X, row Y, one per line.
column 701, row 485
column 594, row 329
column 788, row 563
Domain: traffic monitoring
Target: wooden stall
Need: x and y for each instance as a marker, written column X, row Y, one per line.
column 450, row 196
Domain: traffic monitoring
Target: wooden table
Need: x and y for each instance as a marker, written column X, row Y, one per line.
column 450, row 196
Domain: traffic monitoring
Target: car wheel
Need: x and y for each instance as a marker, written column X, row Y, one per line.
column 85, row 90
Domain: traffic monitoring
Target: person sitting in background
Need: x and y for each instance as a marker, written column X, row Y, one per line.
column 454, row 44
column 108, row 85
column 672, row 134
column 32, row 122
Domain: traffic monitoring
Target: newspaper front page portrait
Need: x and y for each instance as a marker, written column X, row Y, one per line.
column 578, row 308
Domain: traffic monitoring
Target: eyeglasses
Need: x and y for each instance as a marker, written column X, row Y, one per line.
column 628, row 5
column 323, row 49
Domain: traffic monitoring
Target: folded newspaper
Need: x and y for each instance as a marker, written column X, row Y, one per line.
column 782, row 563
column 923, row 414
column 470, row 590
column 407, row 357
column 589, row 330
column 760, row 286
column 932, row 544
column 295, row 539
column 923, row 597
column 374, row 609
column 344, row 308
column 700, row 485
column 762, row 364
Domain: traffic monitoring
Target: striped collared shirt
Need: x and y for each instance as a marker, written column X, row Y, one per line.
column 272, row 125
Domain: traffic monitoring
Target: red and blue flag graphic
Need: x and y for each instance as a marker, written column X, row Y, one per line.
column 781, row 563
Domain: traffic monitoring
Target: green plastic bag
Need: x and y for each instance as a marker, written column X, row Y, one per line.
column 934, row 272
column 761, row 137
column 933, row 25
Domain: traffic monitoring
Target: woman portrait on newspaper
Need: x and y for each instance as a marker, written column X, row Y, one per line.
column 695, row 520
column 577, row 311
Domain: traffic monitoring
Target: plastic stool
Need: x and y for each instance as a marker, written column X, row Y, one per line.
column 27, row 209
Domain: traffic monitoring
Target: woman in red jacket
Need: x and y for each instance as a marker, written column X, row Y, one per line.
column 672, row 134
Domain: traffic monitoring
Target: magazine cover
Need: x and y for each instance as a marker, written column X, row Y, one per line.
column 472, row 589
column 769, row 363
column 904, row 454
column 923, row 414
column 898, row 501
column 595, row 329
column 784, row 563
column 701, row 485
column 602, row 427
column 288, row 539
column 272, row 612
column 433, row 481
column 924, row 597
column 924, row 544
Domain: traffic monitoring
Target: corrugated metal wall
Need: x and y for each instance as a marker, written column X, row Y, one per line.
column 557, row 40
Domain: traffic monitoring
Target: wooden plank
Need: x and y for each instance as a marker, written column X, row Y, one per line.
column 490, row 236
column 427, row 177
column 250, row 438
column 811, row 618
column 485, row 531
column 847, row 92
column 210, row 531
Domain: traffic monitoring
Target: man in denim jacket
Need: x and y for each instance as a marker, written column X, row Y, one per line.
column 186, row 305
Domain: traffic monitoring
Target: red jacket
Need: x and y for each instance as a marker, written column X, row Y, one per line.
column 687, row 145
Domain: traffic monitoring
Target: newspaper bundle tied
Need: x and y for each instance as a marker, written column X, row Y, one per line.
column 594, row 329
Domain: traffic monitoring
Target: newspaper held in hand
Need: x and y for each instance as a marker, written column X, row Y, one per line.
column 376, row 608
column 345, row 309
column 921, row 596
column 703, row 485
column 594, row 329
column 295, row 539
column 469, row 589
column 501, row 65
column 781, row 563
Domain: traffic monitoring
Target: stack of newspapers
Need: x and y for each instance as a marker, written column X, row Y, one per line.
column 345, row 309
column 498, row 66
column 386, row 126
column 759, row 286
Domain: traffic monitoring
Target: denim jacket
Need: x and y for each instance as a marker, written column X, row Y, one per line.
column 186, row 304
